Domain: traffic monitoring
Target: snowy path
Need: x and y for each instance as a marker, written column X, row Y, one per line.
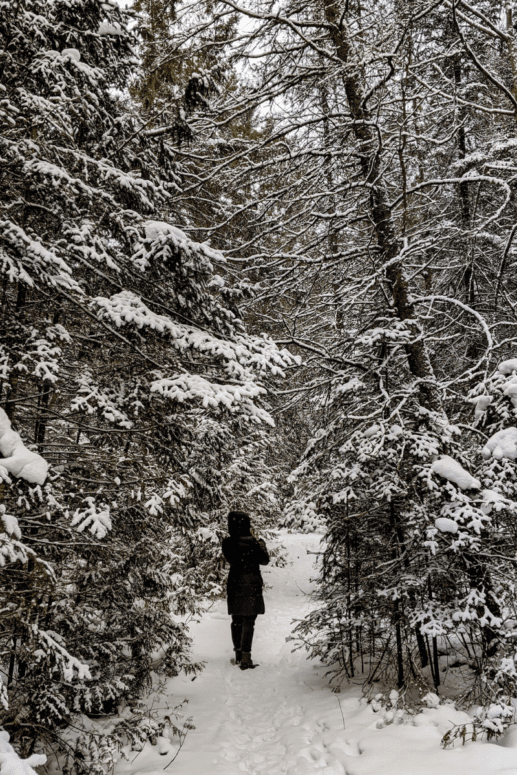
column 283, row 718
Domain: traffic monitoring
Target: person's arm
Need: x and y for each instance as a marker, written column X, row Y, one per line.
column 254, row 549
column 262, row 552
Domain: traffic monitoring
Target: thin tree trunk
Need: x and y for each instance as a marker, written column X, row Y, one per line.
column 41, row 422
column 398, row 636
column 12, row 385
column 468, row 274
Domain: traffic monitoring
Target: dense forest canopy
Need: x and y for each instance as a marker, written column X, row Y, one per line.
column 256, row 255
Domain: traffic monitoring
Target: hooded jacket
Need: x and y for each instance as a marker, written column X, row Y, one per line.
column 245, row 554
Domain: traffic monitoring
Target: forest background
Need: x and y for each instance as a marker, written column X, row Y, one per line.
column 257, row 256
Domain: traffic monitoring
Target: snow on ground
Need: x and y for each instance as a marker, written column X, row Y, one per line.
column 10, row 762
column 283, row 718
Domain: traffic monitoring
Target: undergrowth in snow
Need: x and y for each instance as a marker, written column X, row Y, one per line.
column 285, row 717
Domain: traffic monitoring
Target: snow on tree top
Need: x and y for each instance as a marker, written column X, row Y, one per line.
column 73, row 53
column 506, row 367
column 193, row 386
column 502, row 444
column 155, row 229
column 126, row 307
column 17, row 459
column 450, row 469
column 61, row 273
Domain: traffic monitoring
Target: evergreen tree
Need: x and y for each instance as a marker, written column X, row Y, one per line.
column 124, row 367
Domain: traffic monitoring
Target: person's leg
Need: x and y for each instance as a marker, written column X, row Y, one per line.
column 236, row 628
column 248, row 627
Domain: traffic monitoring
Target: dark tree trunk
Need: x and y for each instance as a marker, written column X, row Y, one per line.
column 418, row 359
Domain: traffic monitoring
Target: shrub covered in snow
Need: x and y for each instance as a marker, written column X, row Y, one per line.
column 419, row 540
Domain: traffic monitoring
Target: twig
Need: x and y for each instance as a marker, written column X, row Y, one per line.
column 341, row 709
column 182, row 740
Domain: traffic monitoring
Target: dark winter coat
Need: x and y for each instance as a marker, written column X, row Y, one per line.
column 245, row 554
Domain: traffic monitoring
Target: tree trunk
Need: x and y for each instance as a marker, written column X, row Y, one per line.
column 417, row 356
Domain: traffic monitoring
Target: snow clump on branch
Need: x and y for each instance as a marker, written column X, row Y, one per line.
column 506, row 367
column 481, row 404
column 450, row 469
column 502, row 444
column 446, row 525
column 494, row 500
column 17, row 459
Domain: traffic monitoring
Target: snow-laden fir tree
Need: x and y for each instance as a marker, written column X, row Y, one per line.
column 123, row 366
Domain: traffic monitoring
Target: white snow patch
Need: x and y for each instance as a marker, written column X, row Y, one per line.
column 502, row 444
column 73, row 53
column 187, row 387
column 161, row 230
column 109, row 29
column 164, row 745
column 450, row 469
column 353, row 384
column 17, row 459
column 492, row 499
column 511, row 390
column 10, row 762
column 506, row 367
column 155, row 229
column 217, row 282
column 446, row 525
column 431, row 700
column 371, row 431
column 481, row 404
column 98, row 522
column 11, row 525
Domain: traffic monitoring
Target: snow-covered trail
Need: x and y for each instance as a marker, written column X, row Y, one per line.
column 252, row 721
column 283, row 717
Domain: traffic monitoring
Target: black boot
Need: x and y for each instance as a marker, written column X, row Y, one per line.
column 238, row 657
column 246, row 663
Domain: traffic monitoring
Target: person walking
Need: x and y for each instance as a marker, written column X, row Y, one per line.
column 245, row 553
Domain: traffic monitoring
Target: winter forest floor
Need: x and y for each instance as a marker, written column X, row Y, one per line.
column 283, row 716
